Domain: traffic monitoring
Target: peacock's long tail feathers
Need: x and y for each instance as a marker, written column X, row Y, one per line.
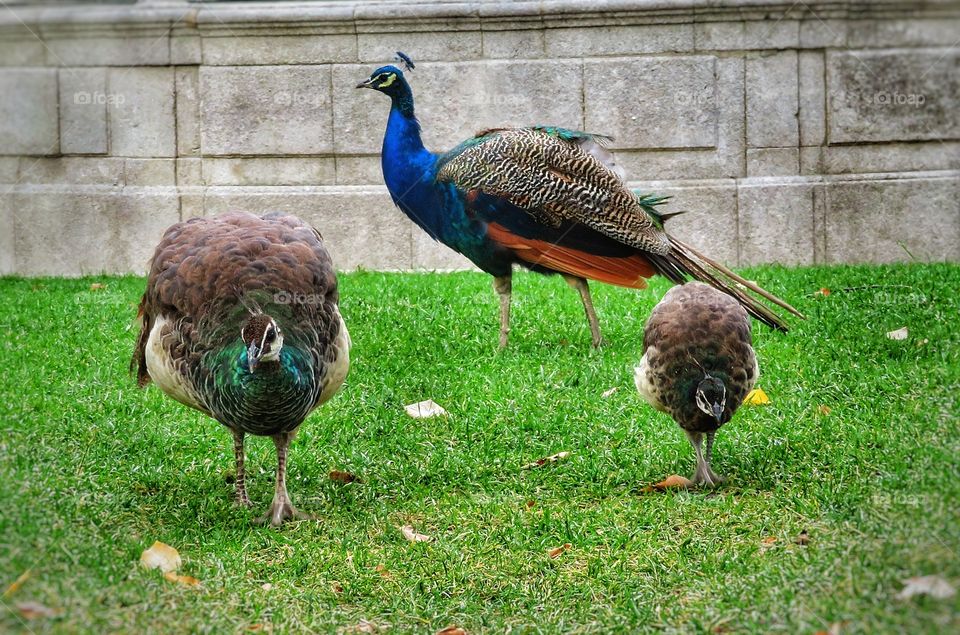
column 683, row 260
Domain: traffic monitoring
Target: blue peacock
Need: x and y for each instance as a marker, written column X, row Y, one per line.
column 548, row 199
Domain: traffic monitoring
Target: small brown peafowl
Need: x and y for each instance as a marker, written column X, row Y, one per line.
column 240, row 321
column 545, row 198
column 698, row 364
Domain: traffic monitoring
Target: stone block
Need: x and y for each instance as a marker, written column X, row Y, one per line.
column 272, row 110
column 72, row 170
column 893, row 95
column 108, row 49
column 773, row 161
column 145, row 172
column 812, row 101
column 27, row 51
column 9, row 168
column 359, row 170
column 83, row 111
column 186, row 49
column 28, row 111
column 903, row 32
column 895, row 220
column 513, row 44
column 746, row 35
column 772, row 100
column 140, row 105
column 269, row 171
column 822, row 34
column 189, row 172
column 360, row 225
column 8, row 261
column 187, row 86
column 886, row 157
column 776, row 221
column 110, row 230
column 423, row 46
column 280, row 49
column 431, row 255
column 618, row 40
column 653, row 102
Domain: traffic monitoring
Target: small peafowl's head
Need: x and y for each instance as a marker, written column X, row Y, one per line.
column 263, row 339
column 388, row 80
column 711, row 397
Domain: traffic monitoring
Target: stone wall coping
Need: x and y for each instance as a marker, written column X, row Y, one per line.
column 373, row 16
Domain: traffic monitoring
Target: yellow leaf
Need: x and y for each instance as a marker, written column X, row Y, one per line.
column 674, row 481
column 556, row 551
column 182, row 579
column 756, row 397
column 16, row 584
column 161, row 556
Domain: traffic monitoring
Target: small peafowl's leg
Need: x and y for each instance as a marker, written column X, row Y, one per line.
column 281, row 509
column 241, row 484
column 702, row 473
column 580, row 284
column 713, row 475
column 503, row 285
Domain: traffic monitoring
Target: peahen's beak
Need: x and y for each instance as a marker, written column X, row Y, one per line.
column 717, row 412
column 367, row 83
column 253, row 356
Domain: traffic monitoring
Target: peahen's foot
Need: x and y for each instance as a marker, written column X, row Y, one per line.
column 280, row 511
column 706, row 477
column 243, row 500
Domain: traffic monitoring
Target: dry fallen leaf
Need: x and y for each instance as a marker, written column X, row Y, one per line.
column 451, row 630
column 424, row 409
column 824, row 410
column 609, row 392
column 343, row 477
column 823, row 291
column 411, row 534
column 266, row 586
column 363, row 626
column 769, row 540
column 160, row 556
column 556, row 551
column 900, row 334
column 382, row 570
column 253, row 628
column 16, row 584
column 550, row 459
column 803, row 538
column 756, row 397
column 674, row 481
column 182, row 579
column 932, row 585
column 531, row 504
column 835, row 628
column 336, row 587
column 33, row 610
column 97, row 286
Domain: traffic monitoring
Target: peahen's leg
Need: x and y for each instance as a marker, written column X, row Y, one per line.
column 580, row 284
column 282, row 509
column 241, row 484
column 503, row 285
column 713, row 475
column 702, row 474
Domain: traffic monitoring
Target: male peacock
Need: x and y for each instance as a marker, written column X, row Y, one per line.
column 240, row 321
column 546, row 198
column 698, row 364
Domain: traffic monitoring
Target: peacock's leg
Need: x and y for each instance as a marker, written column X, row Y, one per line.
column 282, row 509
column 503, row 285
column 713, row 475
column 242, row 498
column 702, row 474
column 580, row 284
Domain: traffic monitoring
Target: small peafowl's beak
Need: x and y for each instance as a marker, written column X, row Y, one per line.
column 367, row 83
column 717, row 412
column 253, row 356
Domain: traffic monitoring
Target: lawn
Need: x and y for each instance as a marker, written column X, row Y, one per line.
column 858, row 448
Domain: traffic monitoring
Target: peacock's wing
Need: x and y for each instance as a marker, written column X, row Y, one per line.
column 555, row 176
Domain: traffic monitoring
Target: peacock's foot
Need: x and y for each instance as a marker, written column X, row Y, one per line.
column 280, row 511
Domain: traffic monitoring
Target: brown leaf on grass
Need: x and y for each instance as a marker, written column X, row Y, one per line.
column 363, row 626
column 835, row 628
column 756, row 397
column 823, row 291
column 181, row 579
column 33, row 610
column 769, row 540
column 344, row 477
column 933, row 585
column 556, row 551
column 824, row 410
column 411, row 534
column 609, row 392
column 256, row 628
column 802, row 539
column 674, row 481
column 424, row 409
column 266, row 586
column 531, row 504
column 161, row 556
column 336, row 587
column 549, row 459
column 97, row 286
column 16, row 584
column 899, row 334
column 382, row 570
column 452, row 630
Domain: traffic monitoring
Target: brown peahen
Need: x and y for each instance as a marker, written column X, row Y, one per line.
column 698, row 364
column 240, row 321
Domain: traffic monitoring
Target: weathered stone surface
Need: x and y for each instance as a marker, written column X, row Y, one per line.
column 150, row 171
column 898, row 220
column 430, row 46
column 773, row 161
column 9, row 167
column 28, row 111
column 187, row 83
column 269, row 171
column 104, row 49
column 71, row 170
column 772, row 100
column 513, row 44
column 185, row 49
column 189, row 172
column 902, row 31
column 260, row 49
column 140, row 106
column 359, row 170
column 618, row 40
column 360, row 225
column 83, row 111
column 775, row 33
column 110, row 230
column 655, row 102
column 812, row 106
column 888, row 157
column 776, row 221
column 265, row 110
column 8, row 262
column 430, row 255
column 893, row 95
column 26, row 51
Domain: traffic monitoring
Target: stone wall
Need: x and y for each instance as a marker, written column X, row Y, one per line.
column 793, row 132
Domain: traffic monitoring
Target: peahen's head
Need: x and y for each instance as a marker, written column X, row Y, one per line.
column 262, row 337
column 388, row 80
column 711, row 397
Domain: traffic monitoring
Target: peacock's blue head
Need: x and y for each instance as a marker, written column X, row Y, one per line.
column 388, row 80
column 263, row 340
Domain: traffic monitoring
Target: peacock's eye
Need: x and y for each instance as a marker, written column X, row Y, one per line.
column 271, row 335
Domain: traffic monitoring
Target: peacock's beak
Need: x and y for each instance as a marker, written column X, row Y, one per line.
column 367, row 83
column 253, row 356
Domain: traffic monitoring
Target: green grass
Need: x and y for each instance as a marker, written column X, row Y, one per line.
column 92, row 470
